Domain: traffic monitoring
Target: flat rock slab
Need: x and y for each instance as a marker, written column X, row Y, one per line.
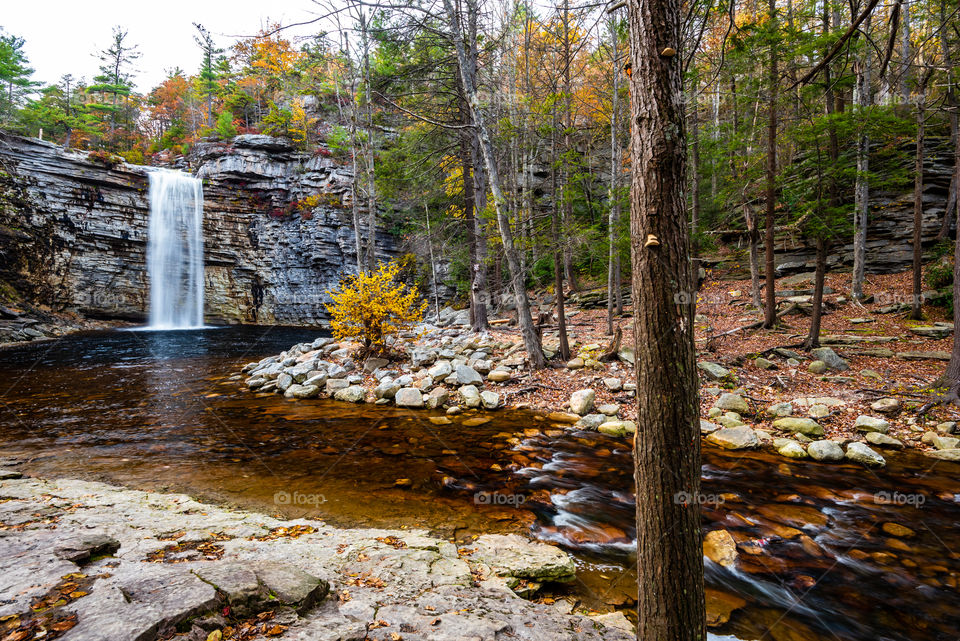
column 404, row 577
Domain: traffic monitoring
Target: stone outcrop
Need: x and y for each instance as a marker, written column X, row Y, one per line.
column 176, row 565
column 73, row 231
column 889, row 235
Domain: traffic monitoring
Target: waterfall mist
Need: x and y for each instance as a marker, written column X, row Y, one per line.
column 175, row 250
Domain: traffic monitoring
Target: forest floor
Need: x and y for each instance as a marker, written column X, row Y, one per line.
column 878, row 340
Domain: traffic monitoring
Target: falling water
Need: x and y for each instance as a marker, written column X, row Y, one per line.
column 175, row 250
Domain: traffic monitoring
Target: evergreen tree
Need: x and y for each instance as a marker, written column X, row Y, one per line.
column 15, row 75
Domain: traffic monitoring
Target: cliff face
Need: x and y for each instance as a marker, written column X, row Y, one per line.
column 73, row 232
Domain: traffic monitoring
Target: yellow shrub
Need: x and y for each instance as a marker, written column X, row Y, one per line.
column 371, row 306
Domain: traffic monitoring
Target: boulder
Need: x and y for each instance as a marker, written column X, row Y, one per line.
column 617, row 428
column 613, row 384
column 590, row 421
column 490, row 400
column 780, row 410
column 790, row 449
column 581, row 401
column 734, row 438
column 882, row 440
column 387, row 389
column 885, row 405
column 499, row 376
column 817, row 367
column 945, row 442
column 800, row 425
column 470, row 396
column 860, row 453
column 302, row 391
column 575, row 363
column 720, row 547
column 732, row 402
column 514, row 556
column 409, row 397
column 831, row 358
column 706, row 427
column 351, row 394
column 610, row 409
column 866, row 423
column 468, row 376
column 829, row 451
column 440, row 370
column 946, row 455
column 713, row 371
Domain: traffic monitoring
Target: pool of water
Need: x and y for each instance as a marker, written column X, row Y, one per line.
column 819, row 558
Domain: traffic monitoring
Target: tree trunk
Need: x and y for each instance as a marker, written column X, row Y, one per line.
column 770, row 306
column 861, row 98
column 670, row 600
column 916, row 312
column 613, row 284
column 695, row 180
column 813, row 337
column 953, row 203
column 952, row 376
column 531, row 339
column 558, row 262
column 569, row 273
column 753, row 233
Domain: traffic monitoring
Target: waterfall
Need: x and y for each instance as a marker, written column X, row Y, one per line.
column 175, row 250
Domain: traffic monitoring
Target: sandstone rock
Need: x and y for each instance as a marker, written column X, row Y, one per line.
column 734, row 438
column 590, row 421
column 882, row 440
column 81, row 548
column 829, row 451
column 866, row 423
column 733, row 402
column 575, row 363
column 386, row 389
column 860, row 453
column 499, row 376
column 617, row 428
column 351, row 394
column 581, row 401
column 945, row 455
column 470, row 396
column 302, row 391
column 885, row 405
column 831, row 358
column 817, row 367
column 613, row 384
column 409, row 397
column 720, row 547
column 763, row 363
column 706, row 427
column 437, row 397
column 791, row 449
column 945, row 442
column 610, row 409
column 947, row 427
column 468, row 376
column 440, row 370
column 563, row 417
column 713, row 371
column 801, row 425
column 511, row 555
column 490, row 400
column 780, row 410
column 335, row 384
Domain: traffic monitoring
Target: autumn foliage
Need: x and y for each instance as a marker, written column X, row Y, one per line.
column 372, row 306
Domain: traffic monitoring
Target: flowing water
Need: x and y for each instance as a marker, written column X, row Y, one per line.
column 820, row 553
column 175, row 250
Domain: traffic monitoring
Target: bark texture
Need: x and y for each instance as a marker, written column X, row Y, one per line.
column 670, row 599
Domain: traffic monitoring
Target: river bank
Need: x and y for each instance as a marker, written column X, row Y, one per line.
column 850, row 400
column 86, row 560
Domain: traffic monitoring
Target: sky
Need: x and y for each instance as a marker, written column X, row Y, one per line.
column 62, row 36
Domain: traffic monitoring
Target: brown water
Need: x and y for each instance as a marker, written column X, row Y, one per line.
column 157, row 410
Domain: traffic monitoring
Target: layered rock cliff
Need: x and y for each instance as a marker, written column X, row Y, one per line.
column 73, row 230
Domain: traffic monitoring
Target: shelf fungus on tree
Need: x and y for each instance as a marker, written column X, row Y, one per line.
column 652, row 241
column 668, row 52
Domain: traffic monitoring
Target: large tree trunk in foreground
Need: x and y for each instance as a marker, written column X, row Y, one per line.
column 670, row 600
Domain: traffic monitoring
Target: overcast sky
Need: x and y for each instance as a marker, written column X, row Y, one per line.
column 62, row 36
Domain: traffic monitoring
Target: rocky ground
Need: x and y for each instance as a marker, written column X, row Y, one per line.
column 88, row 561
column 857, row 395
column 24, row 324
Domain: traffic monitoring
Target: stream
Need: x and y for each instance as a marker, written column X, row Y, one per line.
column 825, row 551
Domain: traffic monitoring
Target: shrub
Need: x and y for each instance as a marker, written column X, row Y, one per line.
column 940, row 274
column 370, row 307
